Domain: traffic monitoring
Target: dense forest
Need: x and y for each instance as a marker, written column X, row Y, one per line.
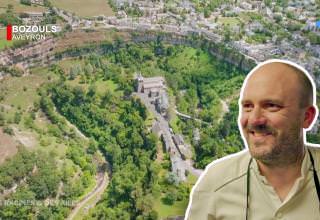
column 199, row 84
column 39, row 182
column 116, row 124
column 94, row 93
column 117, row 121
column 38, row 179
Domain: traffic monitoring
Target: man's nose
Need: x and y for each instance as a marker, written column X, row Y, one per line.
column 257, row 117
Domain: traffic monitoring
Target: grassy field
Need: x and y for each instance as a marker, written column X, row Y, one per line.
column 20, row 92
column 101, row 86
column 18, row 8
column 19, row 95
column 3, row 40
column 68, row 63
column 164, row 211
column 84, row 8
column 232, row 21
column 179, row 207
column 192, row 61
column 8, row 146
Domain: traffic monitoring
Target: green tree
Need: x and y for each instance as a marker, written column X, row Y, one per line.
column 206, row 13
column 88, row 69
column 2, row 119
column 17, row 117
column 19, row 210
column 170, row 197
column 8, row 130
column 25, row 2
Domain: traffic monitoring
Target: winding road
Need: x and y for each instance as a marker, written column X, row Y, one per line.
column 102, row 183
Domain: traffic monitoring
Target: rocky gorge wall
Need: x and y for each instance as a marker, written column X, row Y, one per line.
column 33, row 55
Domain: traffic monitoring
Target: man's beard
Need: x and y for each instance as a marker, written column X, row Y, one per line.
column 287, row 148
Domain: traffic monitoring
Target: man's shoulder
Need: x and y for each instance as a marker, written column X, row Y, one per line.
column 223, row 171
column 315, row 151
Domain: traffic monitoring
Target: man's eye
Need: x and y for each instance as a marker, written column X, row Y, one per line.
column 273, row 106
column 247, row 107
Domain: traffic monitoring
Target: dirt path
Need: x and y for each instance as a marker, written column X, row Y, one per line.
column 77, row 130
column 70, row 125
column 102, row 183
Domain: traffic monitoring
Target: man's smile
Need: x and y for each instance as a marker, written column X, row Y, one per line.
column 259, row 134
column 259, row 137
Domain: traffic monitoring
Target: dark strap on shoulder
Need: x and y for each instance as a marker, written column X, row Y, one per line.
column 315, row 176
column 248, row 188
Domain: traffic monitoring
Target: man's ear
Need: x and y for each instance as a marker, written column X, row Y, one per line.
column 309, row 116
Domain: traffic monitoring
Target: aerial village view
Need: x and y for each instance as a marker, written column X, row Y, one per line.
column 111, row 109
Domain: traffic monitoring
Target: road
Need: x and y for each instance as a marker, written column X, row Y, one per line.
column 190, row 117
column 102, row 183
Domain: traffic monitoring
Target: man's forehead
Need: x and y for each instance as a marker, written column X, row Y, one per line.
column 273, row 70
column 272, row 80
column 279, row 74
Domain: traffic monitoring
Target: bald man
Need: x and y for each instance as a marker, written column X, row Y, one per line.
column 275, row 177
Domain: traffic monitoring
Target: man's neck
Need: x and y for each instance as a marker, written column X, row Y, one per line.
column 282, row 178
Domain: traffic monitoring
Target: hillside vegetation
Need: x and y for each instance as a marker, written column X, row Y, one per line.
column 94, row 94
